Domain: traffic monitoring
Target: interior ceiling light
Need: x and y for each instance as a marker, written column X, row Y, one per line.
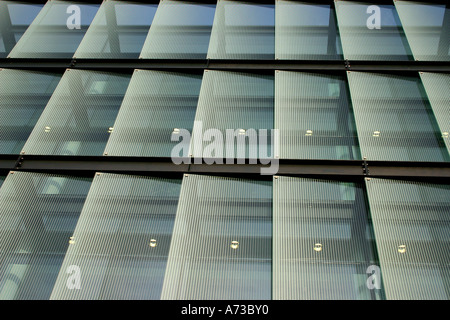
column 234, row 245
column 309, row 133
column 152, row 243
column 401, row 248
column 318, row 247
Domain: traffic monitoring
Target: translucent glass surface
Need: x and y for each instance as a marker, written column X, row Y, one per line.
column 2, row 178
column 371, row 32
column 155, row 105
column 427, row 27
column 38, row 214
column 54, row 33
column 80, row 114
column 23, row 97
column 243, row 30
column 394, row 118
column 306, row 31
column 412, row 223
column 437, row 87
column 15, row 17
column 322, row 240
column 180, row 30
column 314, row 115
column 222, row 241
column 122, row 239
column 118, row 30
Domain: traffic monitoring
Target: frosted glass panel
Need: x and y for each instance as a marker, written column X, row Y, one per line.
column 243, row 30
column 377, row 35
column 427, row 27
column 314, row 116
column 394, row 119
column 322, row 242
column 412, row 224
column 118, row 30
column 156, row 103
column 23, row 97
column 180, row 30
column 80, row 114
column 222, row 241
column 51, row 34
column 305, row 30
column 122, row 239
column 15, row 17
column 38, row 214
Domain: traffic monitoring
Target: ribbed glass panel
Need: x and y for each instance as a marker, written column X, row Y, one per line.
column 222, row 241
column 156, row 103
column 427, row 27
column 243, row 30
column 315, row 118
column 394, row 119
column 118, row 30
column 180, row 30
column 122, row 239
column 234, row 101
column 306, row 31
column 412, row 229
column 80, row 114
column 38, row 214
column 361, row 40
column 49, row 36
column 322, row 240
column 437, row 87
column 23, row 97
column 15, row 17
column 2, row 178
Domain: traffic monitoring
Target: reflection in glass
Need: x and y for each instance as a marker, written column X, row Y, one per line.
column 84, row 105
column 23, row 97
column 213, row 212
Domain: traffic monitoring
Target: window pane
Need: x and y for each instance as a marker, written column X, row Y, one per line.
column 118, row 31
column 427, row 27
column 412, row 230
column 23, row 96
column 38, row 214
column 314, row 116
column 306, row 31
column 361, row 40
column 222, row 241
column 322, row 244
column 394, row 119
column 243, row 30
column 180, row 30
column 156, row 103
column 230, row 102
column 437, row 88
column 15, row 17
column 122, row 239
column 49, row 36
column 80, row 114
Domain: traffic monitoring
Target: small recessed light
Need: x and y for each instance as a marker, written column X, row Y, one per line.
column 176, row 131
column 110, row 129
column 318, row 247
column 241, row 131
column 234, row 245
column 402, row 248
column 309, row 133
column 376, row 133
column 444, row 134
column 47, row 129
column 72, row 240
column 152, row 243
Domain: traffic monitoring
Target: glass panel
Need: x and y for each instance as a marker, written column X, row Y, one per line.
column 38, row 214
column 394, row 119
column 122, row 239
column 243, row 30
column 51, row 34
column 180, row 30
column 2, row 178
column 306, row 31
column 322, row 244
column 222, row 241
column 315, row 118
column 361, row 37
column 412, row 229
column 15, row 17
column 230, row 102
column 118, row 31
column 80, row 114
column 23, row 96
column 156, row 103
column 427, row 27
column 437, row 88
